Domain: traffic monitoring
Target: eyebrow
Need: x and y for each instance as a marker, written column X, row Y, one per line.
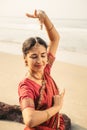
column 44, row 53
column 34, row 54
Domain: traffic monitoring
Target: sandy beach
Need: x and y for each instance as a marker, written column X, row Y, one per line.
column 69, row 76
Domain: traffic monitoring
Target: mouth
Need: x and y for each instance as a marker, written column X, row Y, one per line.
column 39, row 66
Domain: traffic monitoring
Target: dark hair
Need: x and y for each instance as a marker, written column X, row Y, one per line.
column 30, row 42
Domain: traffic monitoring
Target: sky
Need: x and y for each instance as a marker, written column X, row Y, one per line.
column 69, row 9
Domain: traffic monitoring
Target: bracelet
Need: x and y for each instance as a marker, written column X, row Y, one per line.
column 51, row 27
column 48, row 115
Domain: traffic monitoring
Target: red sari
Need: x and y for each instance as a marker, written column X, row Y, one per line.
column 30, row 89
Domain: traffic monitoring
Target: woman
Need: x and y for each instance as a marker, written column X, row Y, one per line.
column 39, row 97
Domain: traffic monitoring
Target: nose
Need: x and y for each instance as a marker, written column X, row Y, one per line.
column 39, row 60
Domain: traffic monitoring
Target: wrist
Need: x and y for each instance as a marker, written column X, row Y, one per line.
column 48, row 115
column 57, row 108
column 51, row 27
column 48, row 24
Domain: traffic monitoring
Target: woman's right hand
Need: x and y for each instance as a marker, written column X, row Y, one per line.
column 40, row 14
column 58, row 100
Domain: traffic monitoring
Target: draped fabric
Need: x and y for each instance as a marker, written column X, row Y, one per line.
column 30, row 89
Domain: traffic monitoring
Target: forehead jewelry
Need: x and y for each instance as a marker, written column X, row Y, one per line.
column 36, row 44
column 36, row 40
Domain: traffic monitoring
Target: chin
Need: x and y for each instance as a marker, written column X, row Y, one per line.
column 40, row 69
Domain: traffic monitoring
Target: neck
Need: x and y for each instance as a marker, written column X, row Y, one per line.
column 37, row 76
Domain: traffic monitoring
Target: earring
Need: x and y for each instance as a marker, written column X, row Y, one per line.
column 26, row 63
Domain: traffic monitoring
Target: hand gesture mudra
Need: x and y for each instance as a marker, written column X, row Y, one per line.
column 38, row 14
column 58, row 99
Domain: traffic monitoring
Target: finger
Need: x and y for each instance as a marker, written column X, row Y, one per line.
column 35, row 12
column 56, row 96
column 62, row 93
column 30, row 15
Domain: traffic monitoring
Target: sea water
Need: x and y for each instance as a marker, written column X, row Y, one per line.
column 73, row 37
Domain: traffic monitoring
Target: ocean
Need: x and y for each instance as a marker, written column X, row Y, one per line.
column 73, row 37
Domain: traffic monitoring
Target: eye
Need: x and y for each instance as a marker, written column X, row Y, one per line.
column 33, row 56
column 43, row 55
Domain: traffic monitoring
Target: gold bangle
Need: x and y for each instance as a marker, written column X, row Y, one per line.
column 48, row 115
column 51, row 27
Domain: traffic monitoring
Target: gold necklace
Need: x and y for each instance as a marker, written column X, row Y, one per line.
column 35, row 77
column 42, row 78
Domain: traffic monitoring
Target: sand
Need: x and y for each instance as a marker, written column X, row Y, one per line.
column 69, row 76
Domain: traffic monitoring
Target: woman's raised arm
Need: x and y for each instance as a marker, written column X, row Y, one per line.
column 50, row 28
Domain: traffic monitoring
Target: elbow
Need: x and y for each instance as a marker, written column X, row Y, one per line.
column 58, row 37
column 29, row 122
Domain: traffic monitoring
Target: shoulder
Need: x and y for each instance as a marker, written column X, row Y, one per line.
column 51, row 60
column 26, row 89
column 28, row 86
column 25, row 85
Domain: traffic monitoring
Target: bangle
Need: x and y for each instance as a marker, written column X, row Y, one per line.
column 48, row 115
column 51, row 28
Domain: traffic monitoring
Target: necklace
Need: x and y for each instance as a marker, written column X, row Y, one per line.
column 37, row 78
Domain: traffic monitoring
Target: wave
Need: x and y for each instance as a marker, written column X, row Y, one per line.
column 73, row 33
